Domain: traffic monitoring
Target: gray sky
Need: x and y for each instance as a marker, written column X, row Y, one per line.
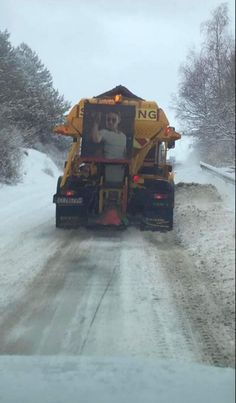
column 91, row 46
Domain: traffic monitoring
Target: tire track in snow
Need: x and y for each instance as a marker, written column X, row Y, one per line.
column 41, row 321
column 198, row 306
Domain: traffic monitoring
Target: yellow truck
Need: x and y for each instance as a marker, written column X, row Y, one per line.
column 116, row 173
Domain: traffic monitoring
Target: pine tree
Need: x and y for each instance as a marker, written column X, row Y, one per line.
column 11, row 77
column 29, row 106
column 42, row 107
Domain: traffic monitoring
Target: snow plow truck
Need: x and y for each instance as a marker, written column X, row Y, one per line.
column 116, row 173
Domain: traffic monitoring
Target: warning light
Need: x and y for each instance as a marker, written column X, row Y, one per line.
column 118, row 98
column 168, row 130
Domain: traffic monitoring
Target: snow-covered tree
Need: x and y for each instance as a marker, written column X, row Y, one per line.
column 10, row 151
column 29, row 105
column 42, row 107
column 206, row 96
column 192, row 102
column 11, row 77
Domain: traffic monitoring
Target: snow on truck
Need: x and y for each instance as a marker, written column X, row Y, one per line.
column 116, row 173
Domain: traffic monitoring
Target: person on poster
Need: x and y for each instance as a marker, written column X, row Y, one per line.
column 113, row 140
column 114, row 143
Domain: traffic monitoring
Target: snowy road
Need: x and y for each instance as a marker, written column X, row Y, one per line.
column 118, row 294
column 124, row 294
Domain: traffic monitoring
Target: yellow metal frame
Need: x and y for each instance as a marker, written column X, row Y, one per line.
column 151, row 127
column 73, row 151
column 105, row 191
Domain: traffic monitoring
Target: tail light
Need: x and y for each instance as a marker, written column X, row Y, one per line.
column 69, row 193
column 160, row 196
column 136, row 178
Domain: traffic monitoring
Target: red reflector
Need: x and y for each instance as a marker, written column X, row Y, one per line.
column 136, row 178
column 168, row 130
column 142, row 142
column 69, row 193
column 159, row 196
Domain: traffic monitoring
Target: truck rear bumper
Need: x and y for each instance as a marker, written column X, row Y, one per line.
column 67, row 201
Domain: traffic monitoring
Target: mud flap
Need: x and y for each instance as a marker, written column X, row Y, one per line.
column 69, row 217
column 157, row 222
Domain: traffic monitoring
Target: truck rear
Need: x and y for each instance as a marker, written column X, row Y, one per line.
column 116, row 173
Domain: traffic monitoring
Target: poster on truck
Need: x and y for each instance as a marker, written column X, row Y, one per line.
column 108, row 131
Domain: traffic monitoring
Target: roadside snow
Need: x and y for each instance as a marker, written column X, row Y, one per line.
column 27, row 217
column 225, row 173
column 189, row 171
column 29, row 203
column 205, row 226
column 205, row 211
column 206, row 229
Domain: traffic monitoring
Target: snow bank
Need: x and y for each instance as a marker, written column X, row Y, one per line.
column 206, row 228
column 87, row 380
column 205, row 222
column 26, row 205
column 27, row 217
column 207, row 231
column 189, row 171
column 225, row 173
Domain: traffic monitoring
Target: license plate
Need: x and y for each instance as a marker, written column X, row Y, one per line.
column 72, row 201
column 159, row 203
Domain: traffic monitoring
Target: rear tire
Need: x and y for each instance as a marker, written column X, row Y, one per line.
column 171, row 219
column 58, row 212
column 58, row 217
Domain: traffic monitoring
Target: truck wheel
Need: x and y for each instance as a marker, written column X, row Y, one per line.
column 58, row 217
column 142, row 227
column 171, row 218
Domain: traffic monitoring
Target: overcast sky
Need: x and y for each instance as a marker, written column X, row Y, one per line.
column 91, row 46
